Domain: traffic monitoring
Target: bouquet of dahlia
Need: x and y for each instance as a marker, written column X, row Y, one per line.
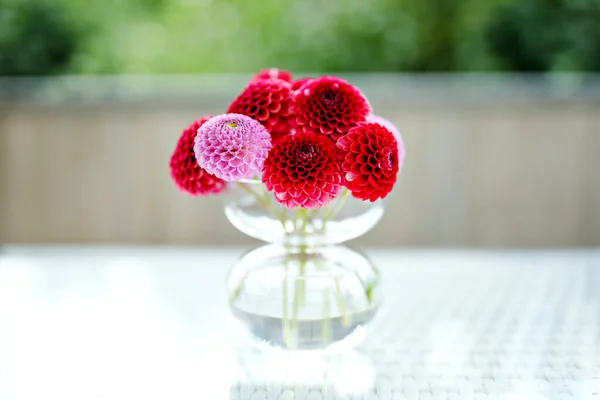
column 309, row 141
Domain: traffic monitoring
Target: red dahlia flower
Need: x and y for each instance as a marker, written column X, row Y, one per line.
column 329, row 105
column 296, row 85
column 303, row 170
column 186, row 172
column 269, row 101
column 370, row 161
column 274, row 73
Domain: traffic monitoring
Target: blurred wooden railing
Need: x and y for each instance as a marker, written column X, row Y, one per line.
column 492, row 161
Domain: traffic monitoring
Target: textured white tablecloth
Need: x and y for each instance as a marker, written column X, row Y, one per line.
column 152, row 323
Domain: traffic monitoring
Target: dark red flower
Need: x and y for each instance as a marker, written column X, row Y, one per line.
column 303, row 170
column 274, row 73
column 371, row 162
column 186, row 172
column 269, row 101
column 296, row 85
column 330, row 106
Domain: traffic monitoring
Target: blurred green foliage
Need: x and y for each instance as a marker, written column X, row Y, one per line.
column 542, row 35
column 35, row 38
column 192, row 36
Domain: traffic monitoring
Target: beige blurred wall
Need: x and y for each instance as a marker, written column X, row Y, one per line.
column 482, row 170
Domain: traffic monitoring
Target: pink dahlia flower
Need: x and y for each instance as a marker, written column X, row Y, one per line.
column 232, row 146
column 392, row 128
column 186, row 172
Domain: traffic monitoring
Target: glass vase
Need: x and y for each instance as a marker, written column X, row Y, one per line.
column 303, row 290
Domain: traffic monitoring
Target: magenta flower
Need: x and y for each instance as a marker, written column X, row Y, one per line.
column 232, row 146
column 392, row 128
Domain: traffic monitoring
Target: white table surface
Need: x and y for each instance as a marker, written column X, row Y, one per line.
column 152, row 323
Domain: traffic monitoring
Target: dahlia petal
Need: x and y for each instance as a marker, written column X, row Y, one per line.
column 366, row 138
column 262, row 114
column 290, row 203
column 294, row 192
column 366, row 148
column 362, row 179
column 342, row 104
column 228, row 156
column 366, row 169
column 282, row 195
column 298, row 84
column 267, row 100
column 185, row 171
column 316, row 197
column 236, row 162
column 326, row 130
column 309, row 177
column 362, row 158
column 219, row 143
column 275, row 107
column 309, row 189
column 355, row 147
column 274, row 73
column 286, row 185
column 370, row 161
column 397, row 136
column 300, row 184
column 249, row 158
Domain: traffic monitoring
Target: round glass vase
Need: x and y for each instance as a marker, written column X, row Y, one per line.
column 303, row 290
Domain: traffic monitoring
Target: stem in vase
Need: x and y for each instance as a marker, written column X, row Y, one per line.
column 341, row 303
column 326, row 324
column 338, row 206
column 305, row 219
column 302, row 283
column 302, row 221
column 265, row 202
column 286, row 320
column 296, row 311
column 299, row 301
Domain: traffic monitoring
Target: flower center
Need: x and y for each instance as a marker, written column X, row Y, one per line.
column 232, row 124
column 387, row 160
column 305, row 153
column 329, row 97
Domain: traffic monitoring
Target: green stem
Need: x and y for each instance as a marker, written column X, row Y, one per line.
column 326, row 325
column 286, row 320
column 302, row 221
column 304, row 217
column 265, row 202
column 299, row 293
column 296, row 310
column 302, row 287
column 297, row 218
column 341, row 303
column 236, row 293
column 338, row 206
